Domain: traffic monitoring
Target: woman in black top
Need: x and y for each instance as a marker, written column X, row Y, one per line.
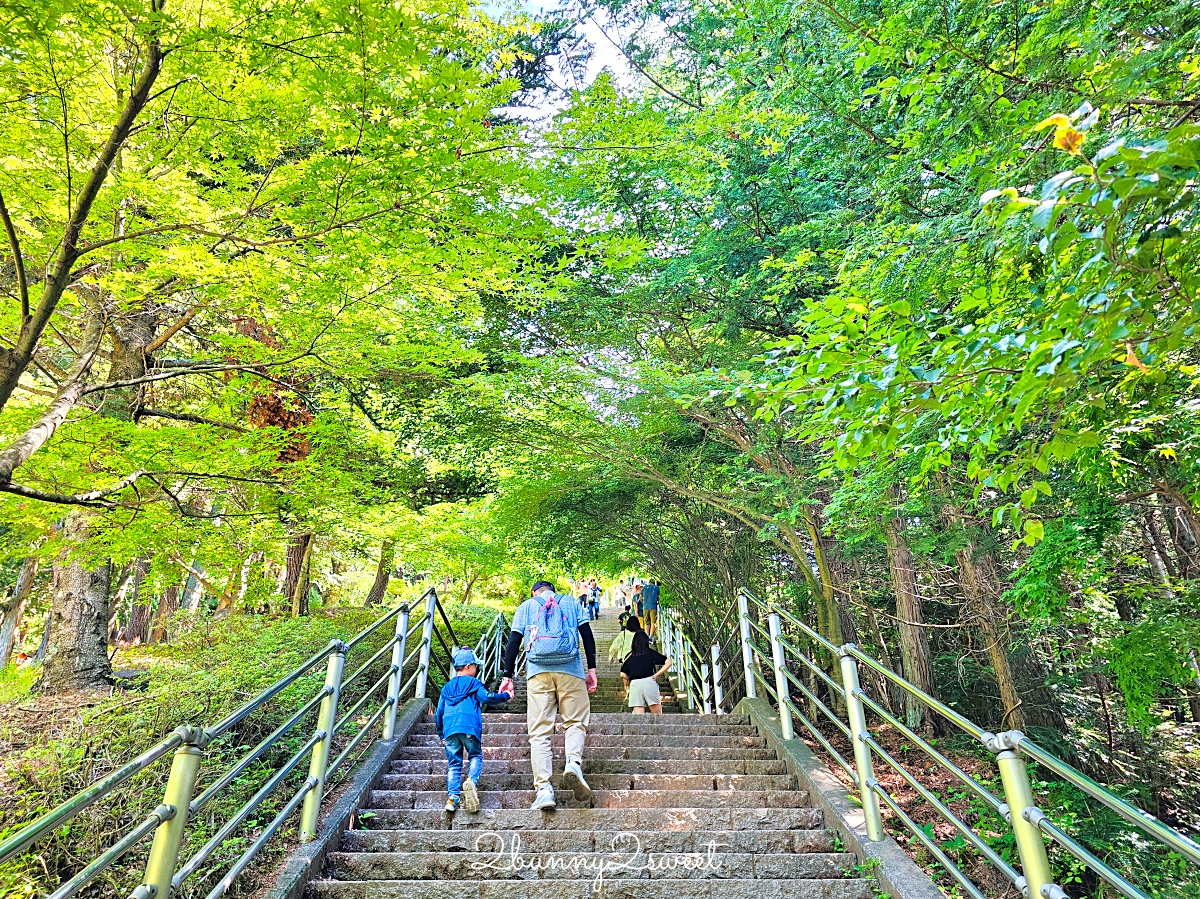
column 641, row 672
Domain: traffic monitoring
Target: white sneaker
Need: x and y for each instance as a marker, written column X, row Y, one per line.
column 544, row 800
column 573, row 778
column 470, row 795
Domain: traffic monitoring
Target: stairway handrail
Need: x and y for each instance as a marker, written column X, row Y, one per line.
column 168, row 822
column 788, row 693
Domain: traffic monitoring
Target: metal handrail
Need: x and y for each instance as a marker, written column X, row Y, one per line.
column 1134, row 815
column 940, row 707
column 271, row 692
column 12, row 846
column 369, row 662
column 735, row 675
column 944, row 810
column 930, row 845
column 193, row 864
column 814, row 668
column 257, row 752
column 170, row 819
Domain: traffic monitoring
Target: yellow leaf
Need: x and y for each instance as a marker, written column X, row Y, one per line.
column 1067, row 138
column 1058, row 120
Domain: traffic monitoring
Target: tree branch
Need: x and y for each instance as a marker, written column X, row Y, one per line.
column 195, row 419
column 14, row 244
column 18, row 453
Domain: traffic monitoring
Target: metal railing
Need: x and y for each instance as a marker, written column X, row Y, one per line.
column 802, row 675
column 187, row 745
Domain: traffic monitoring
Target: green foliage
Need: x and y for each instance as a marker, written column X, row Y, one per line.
column 197, row 680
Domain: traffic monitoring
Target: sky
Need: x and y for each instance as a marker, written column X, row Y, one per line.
column 604, row 56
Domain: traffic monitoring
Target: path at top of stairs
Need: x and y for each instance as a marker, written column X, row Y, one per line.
column 685, row 806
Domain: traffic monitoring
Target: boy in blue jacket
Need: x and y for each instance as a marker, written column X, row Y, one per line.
column 460, row 726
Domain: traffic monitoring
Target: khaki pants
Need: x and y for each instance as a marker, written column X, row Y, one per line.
column 549, row 693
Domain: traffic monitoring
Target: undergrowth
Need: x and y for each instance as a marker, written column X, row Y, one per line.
column 53, row 750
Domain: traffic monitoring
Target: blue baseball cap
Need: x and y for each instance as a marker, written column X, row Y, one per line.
column 464, row 657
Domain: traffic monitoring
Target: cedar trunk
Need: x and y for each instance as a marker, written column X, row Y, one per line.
column 139, row 610
column 299, row 562
column 168, row 605
column 12, row 608
column 914, row 641
column 975, row 577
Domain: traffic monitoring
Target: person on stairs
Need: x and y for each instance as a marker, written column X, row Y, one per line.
column 641, row 672
column 622, row 644
column 552, row 627
column 460, row 727
column 650, row 594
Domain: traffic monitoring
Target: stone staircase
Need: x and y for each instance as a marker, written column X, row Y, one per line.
column 685, row 806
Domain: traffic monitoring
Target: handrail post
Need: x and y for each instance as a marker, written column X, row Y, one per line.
column 310, row 816
column 498, row 642
column 692, row 692
column 718, row 693
column 426, row 645
column 747, row 657
column 168, row 836
column 688, row 679
column 704, row 669
column 781, row 681
column 857, row 718
column 1031, row 847
column 389, row 723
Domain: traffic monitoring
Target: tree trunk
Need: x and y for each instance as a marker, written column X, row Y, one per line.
column 44, row 643
column 139, row 610
column 471, row 580
column 299, row 562
column 993, row 625
column 193, row 587
column 77, row 652
column 1184, row 538
column 168, row 605
column 12, row 608
column 383, row 573
column 1158, row 568
column 914, row 641
column 826, row 600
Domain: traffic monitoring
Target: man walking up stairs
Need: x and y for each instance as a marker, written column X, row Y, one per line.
column 683, row 807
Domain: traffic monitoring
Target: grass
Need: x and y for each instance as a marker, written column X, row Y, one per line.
column 52, row 747
column 15, row 683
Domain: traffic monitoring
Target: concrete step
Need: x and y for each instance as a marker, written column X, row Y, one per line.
column 622, row 799
column 613, row 820
column 475, row 840
column 613, row 888
column 524, row 781
column 651, row 726
column 617, row 740
column 502, row 863
column 625, row 717
column 433, row 750
column 436, row 764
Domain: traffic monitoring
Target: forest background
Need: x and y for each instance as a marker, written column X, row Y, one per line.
column 884, row 310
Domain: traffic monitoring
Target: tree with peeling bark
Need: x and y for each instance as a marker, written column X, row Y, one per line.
column 229, row 233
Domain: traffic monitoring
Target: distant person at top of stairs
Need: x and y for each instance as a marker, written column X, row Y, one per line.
column 641, row 672
column 460, row 725
column 552, row 626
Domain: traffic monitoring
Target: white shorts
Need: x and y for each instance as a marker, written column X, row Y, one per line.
column 644, row 692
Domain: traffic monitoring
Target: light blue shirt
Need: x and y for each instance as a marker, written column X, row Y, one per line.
column 528, row 611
